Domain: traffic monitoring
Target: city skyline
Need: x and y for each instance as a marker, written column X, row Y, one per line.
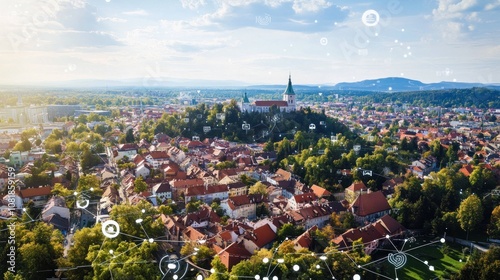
column 254, row 41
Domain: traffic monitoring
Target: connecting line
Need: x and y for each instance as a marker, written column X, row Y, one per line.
column 32, row 221
column 144, row 231
column 138, row 238
column 102, row 244
column 137, row 245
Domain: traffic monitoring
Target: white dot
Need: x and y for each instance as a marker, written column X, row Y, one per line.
column 356, row 277
column 317, row 266
column 111, row 252
column 442, row 240
column 405, row 56
column 143, row 210
column 376, row 33
column 387, row 236
column 296, row 267
column 402, row 30
column 265, row 260
column 396, row 41
column 175, row 277
column 199, row 277
column 257, row 277
column 151, row 240
column 390, row 88
column 408, row 47
column 431, row 268
column 315, row 21
column 212, row 270
column 275, row 277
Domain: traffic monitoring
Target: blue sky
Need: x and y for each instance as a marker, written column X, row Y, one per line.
column 253, row 41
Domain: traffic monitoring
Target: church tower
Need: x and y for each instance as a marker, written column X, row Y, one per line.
column 289, row 95
column 245, row 103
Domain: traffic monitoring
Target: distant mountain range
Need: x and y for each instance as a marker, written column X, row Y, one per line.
column 376, row 85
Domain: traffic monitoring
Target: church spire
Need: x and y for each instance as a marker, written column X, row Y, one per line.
column 245, row 98
column 289, row 88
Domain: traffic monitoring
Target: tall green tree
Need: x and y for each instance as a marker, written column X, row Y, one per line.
column 470, row 213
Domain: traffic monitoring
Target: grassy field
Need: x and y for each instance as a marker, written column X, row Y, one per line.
column 415, row 268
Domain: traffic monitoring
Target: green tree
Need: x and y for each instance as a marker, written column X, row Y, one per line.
column 220, row 270
column 139, row 185
column 258, row 188
column 494, row 225
column 470, row 213
column 129, row 136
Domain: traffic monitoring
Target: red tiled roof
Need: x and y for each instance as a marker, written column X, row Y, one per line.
column 262, row 236
column 319, row 191
column 269, row 103
column 27, row 193
column 357, row 186
column 370, row 203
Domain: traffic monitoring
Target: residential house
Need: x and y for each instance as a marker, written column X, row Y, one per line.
column 369, row 207
column 305, row 240
column 354, row 190
column 39, row 195
column 372, row 235
column 300, row 200
column 262, row 237
column 56, row 213
column 162, row 191
column 232, row 254
column 242, row 206
column 206, row 193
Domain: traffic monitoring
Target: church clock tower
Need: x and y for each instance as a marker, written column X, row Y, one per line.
column 289, row 95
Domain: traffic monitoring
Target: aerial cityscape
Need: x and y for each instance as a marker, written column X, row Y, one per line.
column 256, row 139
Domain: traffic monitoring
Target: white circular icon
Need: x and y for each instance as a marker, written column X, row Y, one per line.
column 82, row 203
column 370, row 18
column 110, row 229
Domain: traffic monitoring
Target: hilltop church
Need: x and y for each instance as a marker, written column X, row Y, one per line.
column 288, row 103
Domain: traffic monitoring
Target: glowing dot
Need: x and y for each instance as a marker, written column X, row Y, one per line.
column 396, row 41
column 24, row 209
column 257, row 277
column 390, row 88
column 199, row 277
column 265, row 278
column 426, row 262
column 75, row 193
column 431, row 268
column 138, row 221
column 402, row 30
column 212, row 270
column 323, row 41
column 387, row 236
column 143, row 210
column 171, row 266
column 356, row 277
column 281, row 260
column 315, row 21
column 442, row 240
column 91, row 189
column 408, row 47
column 151, row 240
column 296, row 267
column 376, row 34
column 111, row 252
column 275, row 277
column 108, row 1
column 402, row 74
column 367, row 41
column 265, row 260
column 176, row 277
column 317, row 266
column 454, row 80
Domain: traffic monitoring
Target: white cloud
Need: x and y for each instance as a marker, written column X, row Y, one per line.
column 306, row 6
column 111, row 19
column 492, row 6
column 136, row 13
column 193, row 4
column 449, row 9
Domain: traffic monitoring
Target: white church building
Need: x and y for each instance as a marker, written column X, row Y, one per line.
column 288, row 103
